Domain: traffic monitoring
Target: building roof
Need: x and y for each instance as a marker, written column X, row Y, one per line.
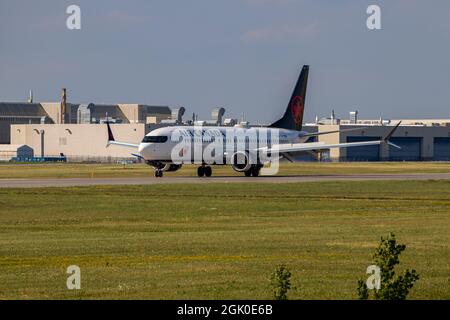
column 21, row 109
column 158, row 109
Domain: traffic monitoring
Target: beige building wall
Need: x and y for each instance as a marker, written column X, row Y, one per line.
column 335, row 153
column 78, row 140
column 156, row 119
column 131, row 112
column 53, row 109
column 137, row 113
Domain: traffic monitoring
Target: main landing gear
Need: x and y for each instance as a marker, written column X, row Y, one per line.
column 159, row 173
column 204, row 171
column 253, row 171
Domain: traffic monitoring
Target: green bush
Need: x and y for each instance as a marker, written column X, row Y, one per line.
column 386, row 257
column 280, row 282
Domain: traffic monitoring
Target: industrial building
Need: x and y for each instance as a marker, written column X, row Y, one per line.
column 9, row 151
column 418, row 143
column 75, row 113
column 54, row 128
column 419, row 139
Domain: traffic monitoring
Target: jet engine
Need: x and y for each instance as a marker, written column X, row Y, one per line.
column 240, row 161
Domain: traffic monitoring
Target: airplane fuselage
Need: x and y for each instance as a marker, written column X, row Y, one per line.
column 158, row 145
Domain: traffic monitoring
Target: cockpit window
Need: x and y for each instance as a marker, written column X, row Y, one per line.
column 155, row 139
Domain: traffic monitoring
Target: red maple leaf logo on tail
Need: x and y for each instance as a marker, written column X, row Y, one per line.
column 297, row 107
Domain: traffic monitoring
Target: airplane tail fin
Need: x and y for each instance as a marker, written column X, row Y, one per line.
column 293, row 116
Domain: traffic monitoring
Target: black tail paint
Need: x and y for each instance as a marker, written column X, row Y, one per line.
column 293, row 117
column 110, row 134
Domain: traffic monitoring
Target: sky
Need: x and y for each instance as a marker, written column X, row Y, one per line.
column 243, row 55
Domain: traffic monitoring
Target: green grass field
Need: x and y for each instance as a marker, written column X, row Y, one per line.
column 219, row 241
column 69, row 170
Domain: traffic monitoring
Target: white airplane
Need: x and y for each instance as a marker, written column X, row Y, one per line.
column 246, row 149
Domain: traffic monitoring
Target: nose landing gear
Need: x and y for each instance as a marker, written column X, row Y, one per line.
column 204, row 171
column 158, row 173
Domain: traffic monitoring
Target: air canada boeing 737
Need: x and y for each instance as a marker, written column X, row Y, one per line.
column 247, row 149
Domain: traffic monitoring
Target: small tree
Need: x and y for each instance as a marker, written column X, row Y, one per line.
column 281, row 282
column 386, row 257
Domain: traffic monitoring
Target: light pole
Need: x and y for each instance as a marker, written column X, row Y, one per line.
column 41, row 133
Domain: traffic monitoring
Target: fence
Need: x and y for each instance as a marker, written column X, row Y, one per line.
column 77, row 159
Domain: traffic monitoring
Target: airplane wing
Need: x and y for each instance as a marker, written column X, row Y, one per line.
column 111, row 140
column 313, row 134
column 319, row 146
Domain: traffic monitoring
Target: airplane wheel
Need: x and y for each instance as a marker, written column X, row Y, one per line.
column 255, row 172
column 208, row 171
column 201, row 171
column 248, row 173
column 158, row 173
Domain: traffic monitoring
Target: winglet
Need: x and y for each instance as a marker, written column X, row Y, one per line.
column 110, row 135
column 389, row 135
column 111, row 140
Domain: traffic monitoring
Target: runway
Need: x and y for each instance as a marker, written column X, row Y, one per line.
column 73, row 182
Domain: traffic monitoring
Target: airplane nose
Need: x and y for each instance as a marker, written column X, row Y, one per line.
column 145, row 150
